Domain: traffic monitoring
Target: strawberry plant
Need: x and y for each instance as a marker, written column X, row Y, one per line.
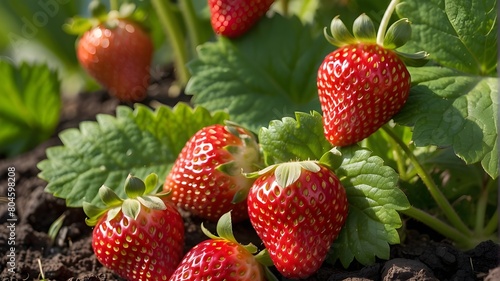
column 427, row 143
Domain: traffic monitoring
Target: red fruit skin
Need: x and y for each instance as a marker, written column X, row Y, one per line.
column 218, row 260
column 299, row 223
column 233, row 18
column 198, row 187
column 360, row 87
column 144, row 249
column 118, row 58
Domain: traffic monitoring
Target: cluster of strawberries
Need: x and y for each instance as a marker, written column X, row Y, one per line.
column 297, row 208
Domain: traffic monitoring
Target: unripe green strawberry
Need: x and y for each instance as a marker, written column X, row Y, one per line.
column 298, row 210
column 139, row 238
column 365, row 82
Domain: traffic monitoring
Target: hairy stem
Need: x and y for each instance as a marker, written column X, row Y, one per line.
column 174, row 35
column 385, row 22
column 438, row 196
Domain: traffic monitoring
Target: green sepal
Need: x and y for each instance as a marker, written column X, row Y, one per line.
column 109, row 197
column 332, row 159
column 416, row 60
column 265, row 260
column 240, row 195
column 151, row 183
column 225, row 227
column 113, row 212
column 340, row 34
column 93, row 213
column 288, row 173
column 229, row 168
column 152, row 202
column 130, row 208
column 398, row 34
column 364, row 29
column 134, row 187
column 78, row 25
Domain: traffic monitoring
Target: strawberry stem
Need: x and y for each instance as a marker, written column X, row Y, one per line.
column 192, row 23
column 439, row 226
column 113, row 5
column 173, row 31
column 385, row 22
column 435, row 192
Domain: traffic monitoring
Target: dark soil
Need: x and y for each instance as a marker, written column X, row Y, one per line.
column 423, row 255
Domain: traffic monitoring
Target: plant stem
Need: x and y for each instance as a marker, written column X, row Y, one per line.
column 385, row 22
column 439, row 226
column 113, row 5
column 438, row 196
column 192, row 23
column 492, row 224
column 174, row 35
column 403, row 175
column 284, row 6
column 482, row 203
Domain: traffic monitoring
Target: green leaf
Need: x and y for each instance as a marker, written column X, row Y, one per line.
column 294, row 139
column 137, row 142
column 267, row 74
column 460, row 34
column 449, row 108
column 374, row 201
column 372, row 187
column 304, row 9
column 30, row 103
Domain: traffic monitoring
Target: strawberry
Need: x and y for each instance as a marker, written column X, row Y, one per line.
column 222, row 258
column 365, row 82
column 207, row 178
column 117, row 53
column 298, row 210
column 233, row 18
column 139, row 238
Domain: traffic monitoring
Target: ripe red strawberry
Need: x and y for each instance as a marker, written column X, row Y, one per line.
column 139, row 238
column 298, row 210
column 232, row 18
column 207, row 178
column 365, row 82
column 118, row 54
column 221, row 258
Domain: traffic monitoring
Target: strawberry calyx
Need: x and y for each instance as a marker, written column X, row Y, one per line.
column 101, row 16
column 139, row 193
column 224, row 230
column 363, row 32
column 289, row 172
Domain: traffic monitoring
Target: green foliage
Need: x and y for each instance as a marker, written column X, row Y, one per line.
column 259, row 82
column 455, row 103
column 29, row 106
column 136, row 142
column 372, row 192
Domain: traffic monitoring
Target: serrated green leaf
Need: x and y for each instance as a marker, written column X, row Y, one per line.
column 449, row 108
column 288, row 139
column 137, row 142
column 258, row 82
column 458, row 34
column 374, row 201
column 30, row 105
